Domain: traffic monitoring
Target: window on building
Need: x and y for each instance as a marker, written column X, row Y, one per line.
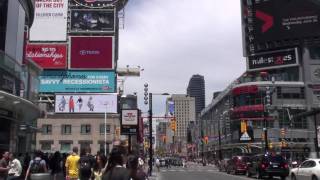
column 65, row 147
column 284, row 121
column 85, row 128
column 66, row 129
column 102, row 128
column 314, row 52
column 45, row 146
column 46, row 129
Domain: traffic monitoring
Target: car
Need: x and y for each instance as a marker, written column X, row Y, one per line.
column 267, row 165
column 308, row 169
column 237, row 164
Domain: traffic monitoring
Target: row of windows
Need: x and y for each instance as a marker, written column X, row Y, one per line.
column 66, row 147
column 67, row 129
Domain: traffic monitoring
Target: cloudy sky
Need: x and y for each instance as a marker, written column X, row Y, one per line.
column 174, row 39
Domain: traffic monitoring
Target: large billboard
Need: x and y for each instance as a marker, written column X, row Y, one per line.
column 86, row 103
column 50, row 21
column 77, row 82
column 273, row 59
column 129, row 121
column 91, row 52
column 246, row 133
column 270, row 24
column 96, row 3
column 92, row 21
column 48, row 56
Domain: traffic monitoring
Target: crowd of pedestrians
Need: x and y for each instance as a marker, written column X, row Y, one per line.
column 118, row 166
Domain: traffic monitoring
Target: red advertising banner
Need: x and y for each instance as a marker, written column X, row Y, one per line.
column 91, row 52
column 48, row 56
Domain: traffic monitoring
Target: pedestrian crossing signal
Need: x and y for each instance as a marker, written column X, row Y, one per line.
column 206, row 139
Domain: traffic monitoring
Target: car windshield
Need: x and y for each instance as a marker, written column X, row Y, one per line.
column 275, row 159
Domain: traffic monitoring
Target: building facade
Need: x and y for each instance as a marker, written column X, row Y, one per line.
column 196, row 89
column 18, row 79
column 184, row 113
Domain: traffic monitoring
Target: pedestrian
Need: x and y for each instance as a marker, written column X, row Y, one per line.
column 36, row 166
column 158, row 164
column 15, row 168
column 99, row 167
column 115, row 169
column 55, row 164
column 136, row 172
column 72, row 165
column 86, row 164
column 4, row 168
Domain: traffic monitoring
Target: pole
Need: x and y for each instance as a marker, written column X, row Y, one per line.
column 316, row 143
column 105, row 131
column 150, row 133
column 129, row 143
column 219, row 135
column 266, row 147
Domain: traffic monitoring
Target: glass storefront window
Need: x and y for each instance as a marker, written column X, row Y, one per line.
column 65, row 147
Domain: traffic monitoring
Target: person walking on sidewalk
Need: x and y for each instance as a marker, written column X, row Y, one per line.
column 4, row 166
column 55, row 164
column 36, row 166
column 86, row 164
column 72, row 165
column 115, row 169
column 15, row 168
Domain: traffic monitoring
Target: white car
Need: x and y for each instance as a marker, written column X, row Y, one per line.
column 307, row 170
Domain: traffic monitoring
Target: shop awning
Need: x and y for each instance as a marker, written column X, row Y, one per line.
column 24, row 110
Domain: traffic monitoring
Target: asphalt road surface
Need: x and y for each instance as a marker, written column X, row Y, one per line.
column 198, row 172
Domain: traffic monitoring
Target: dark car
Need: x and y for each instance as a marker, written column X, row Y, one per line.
column 267, row 165
column 237, row 164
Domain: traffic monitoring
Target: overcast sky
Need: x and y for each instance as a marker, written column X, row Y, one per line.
column 174, row 39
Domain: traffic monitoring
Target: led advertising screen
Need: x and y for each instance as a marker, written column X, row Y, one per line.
column 92, row 20
column 270, row 21
column 77, row 82
column 48, row 56
column 95, row 3
column 50, row 21
column 86, row 103
column 91, row 52
column 246, row 133
column 274, row 59
column 129, row 121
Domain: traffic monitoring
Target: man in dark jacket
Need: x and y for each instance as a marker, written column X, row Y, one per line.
column 86, row 162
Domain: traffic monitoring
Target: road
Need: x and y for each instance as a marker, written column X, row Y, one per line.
column 197, row 172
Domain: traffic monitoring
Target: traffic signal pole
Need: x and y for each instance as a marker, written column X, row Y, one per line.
column 150, row 134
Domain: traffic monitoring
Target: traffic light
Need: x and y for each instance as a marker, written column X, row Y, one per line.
column 173, row 124
column 284, row 143
column 206, row 139
column 270, row 145
column 283, row 132
column 164, row 139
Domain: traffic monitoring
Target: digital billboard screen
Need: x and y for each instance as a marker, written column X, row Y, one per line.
column 86, row 103
column 77, row 81
column 92, row 20
column 50, row 21
column 48, row 56
column 273, row 59
column 270, row 21
column 92, row 52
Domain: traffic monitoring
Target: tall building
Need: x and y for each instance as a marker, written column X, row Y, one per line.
column 18, row 79
column 196, row 89
column 184, row 112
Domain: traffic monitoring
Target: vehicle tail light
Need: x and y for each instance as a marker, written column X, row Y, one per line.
column 285, row 165
column 263, row 166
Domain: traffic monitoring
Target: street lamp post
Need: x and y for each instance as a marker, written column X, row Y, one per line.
column 105, row 131
column 150, row 133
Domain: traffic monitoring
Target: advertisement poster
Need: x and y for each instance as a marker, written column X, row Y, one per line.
column 86, row 103
column 92, row 20
column 48, row 56
column 274, row 59
column 129, row 121
column 246, row 131
column 78, row 81
column 95, row 3
column 278, row 23
column 50, row 21
column 91, row 52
